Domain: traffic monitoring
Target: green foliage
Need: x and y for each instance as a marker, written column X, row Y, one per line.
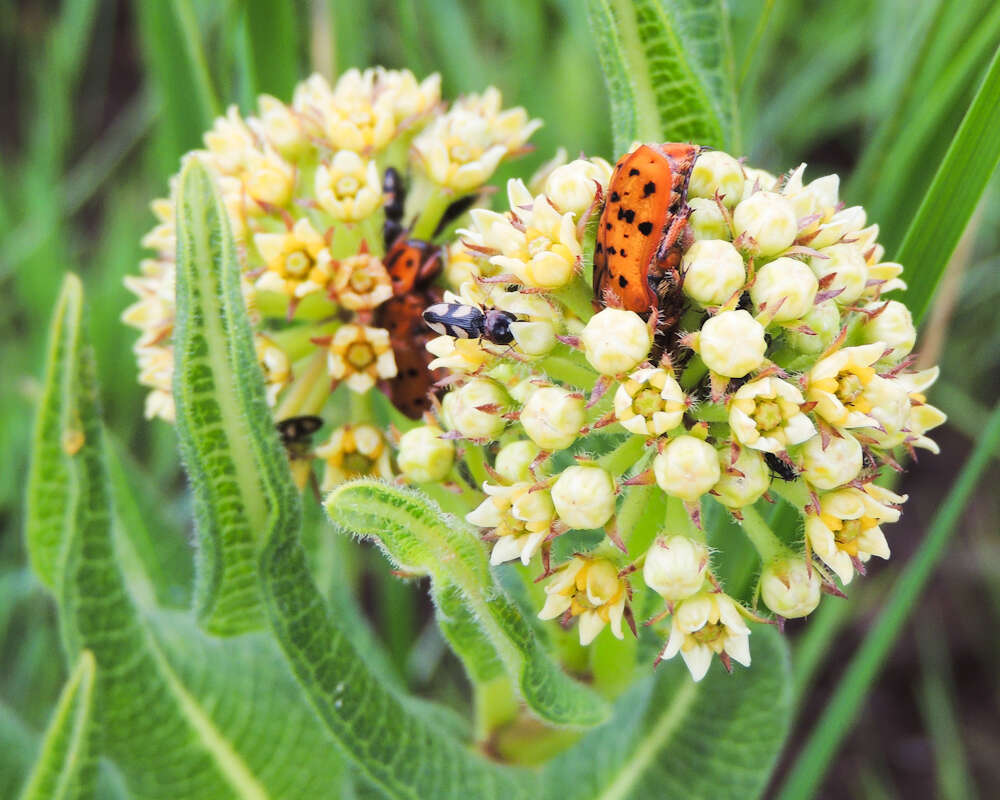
column 227, row 436
column 669, row 70
column 65, row 769
column 307, row 704
column 485, row 628
column 954, row 194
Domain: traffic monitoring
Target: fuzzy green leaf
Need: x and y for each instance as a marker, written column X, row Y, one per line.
column 669, row 70
column 672, row 738
column 419, row 538
column 66, row 765
column 396, row 749
column 237, row 468
column 57, row 430
column 171, row 701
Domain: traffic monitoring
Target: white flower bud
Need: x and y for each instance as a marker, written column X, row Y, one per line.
column 716, row 171
column 790, row 588
column 732, row 343
column 552, row 417
column 847, row 265
column 424, row 456
column 834, row 466
column 743, row 483
column 687, row 468
column 534, row 338
column 476, row 408
column 513, row 462
column 893, row 326
column 824, row 322
column 784, row 289
column 572, row 186
column 675, row 567
column 615, row 341
column 757, row 180
column 767, row 219
column 713, row 272
column 584, row 497
column 650, row 402
column 706, row 220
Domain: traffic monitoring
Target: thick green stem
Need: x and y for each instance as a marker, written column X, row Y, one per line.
column 677, row 521
column 577, row 296
column 795, row 493
column 624, row 457
column 567, row 370
column 431, row 213
column 303, row 397
column 769, row 547
column 693, row 373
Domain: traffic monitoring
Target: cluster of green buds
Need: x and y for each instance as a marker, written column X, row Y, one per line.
column 601, row 442
column 319, row 192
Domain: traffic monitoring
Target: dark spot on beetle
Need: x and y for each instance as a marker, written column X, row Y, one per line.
column 615, row 197
column 611, row 250
column 621, row 213
column 633, row 171
column 598, row 248
column 622, row 281
column 630, row 216
column 608, row 226
column 411, row 372
column 645, row 228
column 623, row 254
column 648, row 189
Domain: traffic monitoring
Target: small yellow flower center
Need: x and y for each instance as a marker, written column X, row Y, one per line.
column 461, row 153
column 298, row 263
column 360, row 355
column 767, row 415
column 347, row 186
column 712, row 634
column 357, row 463
column 849, row 387
column 647, row 402
column 361, row 281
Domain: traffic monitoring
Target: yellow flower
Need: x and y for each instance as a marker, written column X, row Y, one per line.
column 348, row 188
column 351, row 116
column 847, row 531
column 704, row 624
column 360, row 355
column 837, row 385
column 361, row 282
column 268, row 178
column 766, row 415
column 650, row 402
column 461, row 149
column 588, row 588
column 520, row 519
column 297, row 262
column 353, row 451
column 229, row 142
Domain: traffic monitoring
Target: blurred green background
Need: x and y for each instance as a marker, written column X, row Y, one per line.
column 99, row 99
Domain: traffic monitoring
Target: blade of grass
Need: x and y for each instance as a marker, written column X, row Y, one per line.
column 273, row 36
column 833, row 725
column 954, row 194
column 938, row 711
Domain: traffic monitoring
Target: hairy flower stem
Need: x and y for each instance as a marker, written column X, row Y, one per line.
column 625, row 456
column 431, row 214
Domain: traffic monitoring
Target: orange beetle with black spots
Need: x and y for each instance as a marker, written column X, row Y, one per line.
column 643, row 232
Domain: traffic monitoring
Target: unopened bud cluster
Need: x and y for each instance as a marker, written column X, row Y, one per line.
column 788, row 376
column 322, row 196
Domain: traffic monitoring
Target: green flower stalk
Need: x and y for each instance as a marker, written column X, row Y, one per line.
column 788, row 376
column 341, row 202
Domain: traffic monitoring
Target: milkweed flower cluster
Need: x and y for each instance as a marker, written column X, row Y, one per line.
column 338, row 202
column 787, row 379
